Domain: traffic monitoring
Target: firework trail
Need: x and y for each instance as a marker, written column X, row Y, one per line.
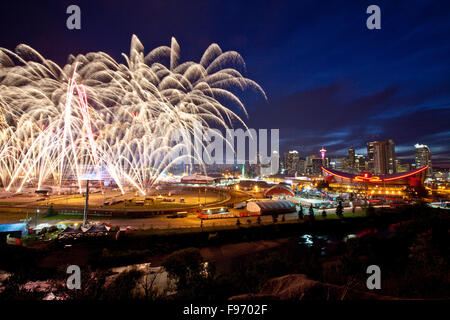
column 55, row 122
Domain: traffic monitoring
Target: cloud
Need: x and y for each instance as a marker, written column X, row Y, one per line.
column 325, row 116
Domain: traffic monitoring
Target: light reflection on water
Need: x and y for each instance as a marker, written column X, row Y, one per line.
column 323, row 241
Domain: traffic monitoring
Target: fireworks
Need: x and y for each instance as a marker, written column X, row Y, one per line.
column 97, row 113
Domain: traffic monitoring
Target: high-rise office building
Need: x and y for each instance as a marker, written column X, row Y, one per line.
column 402, row 167
column 390, row 157
column 317, row 166
column 351, row 158
column 308, row 165
column 338, row 163
column 291, row 160
column 360, row 163
column 301, row 166
column 370, row 156
column 381, row 157
column 423, row 157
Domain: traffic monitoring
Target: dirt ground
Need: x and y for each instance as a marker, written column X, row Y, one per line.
column 221, row 255
column 224, row 255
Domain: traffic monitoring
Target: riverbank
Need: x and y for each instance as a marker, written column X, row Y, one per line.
column 140, row 245
column 245, row 257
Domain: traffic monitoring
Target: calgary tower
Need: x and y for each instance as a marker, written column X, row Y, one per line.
column 322, row 152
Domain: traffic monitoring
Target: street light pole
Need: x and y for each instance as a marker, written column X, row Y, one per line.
column 86, row 204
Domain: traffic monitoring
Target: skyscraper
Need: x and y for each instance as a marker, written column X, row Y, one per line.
column 301, row 166
column 390, row 150
column 402, row 167
column 370, row 156
column 291, row 160
column 360, row 163
column 351, row 158
column 423, row 157
column 317, row 164
column 381, row 156
column 338, row 164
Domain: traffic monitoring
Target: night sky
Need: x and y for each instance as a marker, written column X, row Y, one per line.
column 329, row 80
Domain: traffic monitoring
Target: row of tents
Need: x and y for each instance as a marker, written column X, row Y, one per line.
column 93, row 230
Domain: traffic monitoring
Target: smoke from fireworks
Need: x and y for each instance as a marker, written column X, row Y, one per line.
column 97, row 113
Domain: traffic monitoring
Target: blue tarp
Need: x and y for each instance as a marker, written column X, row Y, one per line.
column 14, row 227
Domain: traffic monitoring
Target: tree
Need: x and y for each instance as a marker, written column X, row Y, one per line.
column 324, row 214
column 323, row 185
column 418, row 192
column 311, row 213
column 275, row 217
column 51, row 211
column 300, row 213
column 421, row 192
column 184, row 266
column 149, row 287
column 370, row 210
column 12, row 289
column 340, row 210
column 124, row 285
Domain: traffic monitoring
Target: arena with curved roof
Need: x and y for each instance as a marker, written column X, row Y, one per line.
column 279, row 190
column 412, row 178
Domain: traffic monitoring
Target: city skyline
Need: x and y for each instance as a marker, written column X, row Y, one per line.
column 410, row 158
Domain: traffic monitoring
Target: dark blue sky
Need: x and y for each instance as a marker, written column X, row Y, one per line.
column 330, row 81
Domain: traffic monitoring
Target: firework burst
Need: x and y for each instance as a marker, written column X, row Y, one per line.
column 97, row 113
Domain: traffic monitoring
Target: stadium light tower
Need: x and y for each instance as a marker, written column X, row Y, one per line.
column 86, row 177
column 85, row 211
column 322, row 152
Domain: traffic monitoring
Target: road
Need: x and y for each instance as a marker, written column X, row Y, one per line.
column 162, row 222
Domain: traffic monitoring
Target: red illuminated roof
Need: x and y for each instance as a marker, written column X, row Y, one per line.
column 371, row 178
column 342, row 175
column 279, row 189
